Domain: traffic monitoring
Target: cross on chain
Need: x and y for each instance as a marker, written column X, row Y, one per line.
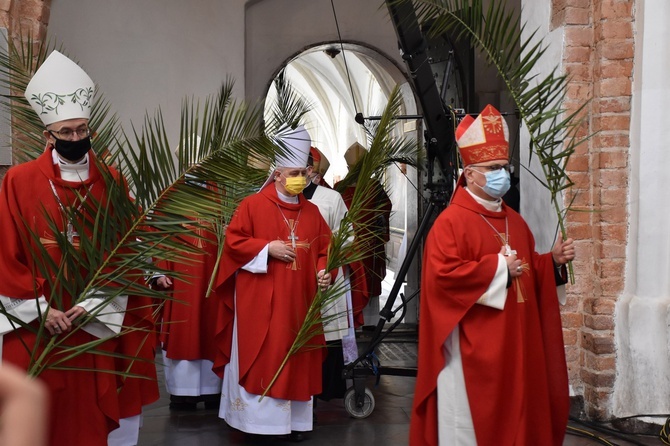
column 71, row 234
column 200, row 231
column 49, row 242
column 508, row 252
column 295, row 244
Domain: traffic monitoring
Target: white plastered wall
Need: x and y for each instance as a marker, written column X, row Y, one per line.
column 146, row 54
column 536, row 206
column 295, row 25
column 642, row 319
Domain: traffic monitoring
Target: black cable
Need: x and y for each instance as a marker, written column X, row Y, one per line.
column 586, row 434
column 613, row 420
column 416, row 188
column 614, row 432
column 642, row 415
column 346, row 67
column 664, row 435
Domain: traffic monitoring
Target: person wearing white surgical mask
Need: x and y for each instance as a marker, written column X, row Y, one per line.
column 490, row 338
column 496, row 178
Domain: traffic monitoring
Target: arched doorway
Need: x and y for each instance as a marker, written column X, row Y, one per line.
column 339, row 81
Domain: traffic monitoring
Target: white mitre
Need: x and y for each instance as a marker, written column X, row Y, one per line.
column 295, row 146
column 294, row 149
column 60, row 90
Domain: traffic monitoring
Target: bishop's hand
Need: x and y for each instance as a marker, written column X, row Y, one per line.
column 281, row 251
column 563, row 251
column 76, row 313
column 323, row 278
column 163, row 283
column 57, row 322
column 513, row 264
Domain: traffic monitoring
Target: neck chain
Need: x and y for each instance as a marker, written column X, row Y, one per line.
column 505, row 242
column 292, row 225
column 71, row 233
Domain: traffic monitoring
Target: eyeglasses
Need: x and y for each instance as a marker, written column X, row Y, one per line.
column 494, row 167
column 68, row 133
column 294, row 173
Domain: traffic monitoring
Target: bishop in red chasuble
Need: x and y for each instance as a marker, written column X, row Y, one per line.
column 491, row 365
column 84, row 406
column 42, row 201
column 274, row 257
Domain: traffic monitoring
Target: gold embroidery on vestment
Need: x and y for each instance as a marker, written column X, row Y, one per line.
column 238, row 405
column 294, row 243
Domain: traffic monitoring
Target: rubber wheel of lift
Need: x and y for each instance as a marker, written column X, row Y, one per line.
column 353, row 409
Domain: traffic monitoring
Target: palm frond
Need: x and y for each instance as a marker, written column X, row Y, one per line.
column 145, row 213
column 289, row 108
column 342, row 251
column 497, row 33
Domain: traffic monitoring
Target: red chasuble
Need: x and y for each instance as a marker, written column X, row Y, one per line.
column 271, row 307
column 189, row 321
column 513, row 359
column 84, row 403
column 138, row 347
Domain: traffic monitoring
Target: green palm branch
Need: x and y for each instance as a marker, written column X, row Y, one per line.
column 385, row 149
column 289, row 107
column 497, row 33
column 146, row 213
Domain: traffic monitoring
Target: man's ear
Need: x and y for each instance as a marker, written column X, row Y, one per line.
column 467, row 174
column 50, row 140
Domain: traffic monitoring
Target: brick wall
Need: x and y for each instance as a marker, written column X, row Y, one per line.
column 24, row 18
column 29, row 17
column 598, row 57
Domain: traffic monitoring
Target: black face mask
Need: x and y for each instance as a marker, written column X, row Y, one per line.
column 73, row 150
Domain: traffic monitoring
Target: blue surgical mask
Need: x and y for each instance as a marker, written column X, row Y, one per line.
column 497, row 183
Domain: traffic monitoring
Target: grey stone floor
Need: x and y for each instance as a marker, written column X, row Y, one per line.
column 388, row 425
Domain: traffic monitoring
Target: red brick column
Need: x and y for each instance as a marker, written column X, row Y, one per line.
column 24, row 18
column 598, row 57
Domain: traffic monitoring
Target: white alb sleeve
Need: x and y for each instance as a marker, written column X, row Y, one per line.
column 259, row 264
column 496, row 294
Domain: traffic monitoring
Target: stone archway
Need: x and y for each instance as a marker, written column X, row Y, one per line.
column 339, row 81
